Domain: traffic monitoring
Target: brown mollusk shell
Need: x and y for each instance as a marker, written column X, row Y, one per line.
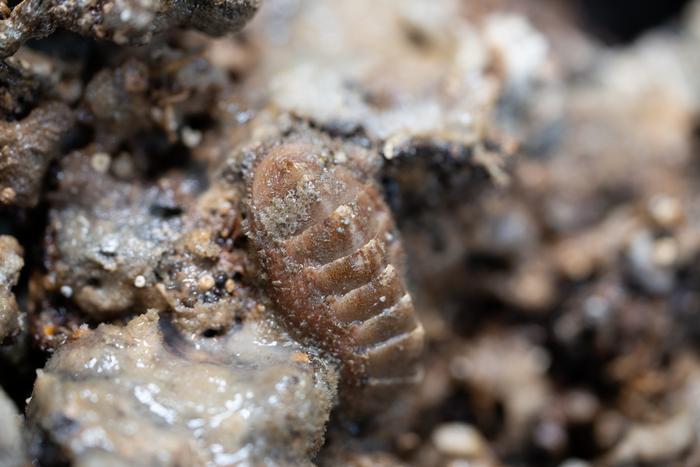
column 328, row 245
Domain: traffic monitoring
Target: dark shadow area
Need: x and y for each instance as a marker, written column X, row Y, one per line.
column 622, row 21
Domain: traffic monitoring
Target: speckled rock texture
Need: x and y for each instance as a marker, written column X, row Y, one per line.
column 27, row 147
column 11, row 263
column 123, row 21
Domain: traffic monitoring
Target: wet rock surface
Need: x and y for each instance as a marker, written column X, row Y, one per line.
column 543, row 188
column 12, row 448
column 247, row 397
column 28, row 146
column 105, row 264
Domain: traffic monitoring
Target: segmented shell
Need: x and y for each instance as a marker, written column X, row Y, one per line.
column 328, row 245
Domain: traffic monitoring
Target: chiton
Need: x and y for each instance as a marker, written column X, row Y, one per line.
column 329, row 248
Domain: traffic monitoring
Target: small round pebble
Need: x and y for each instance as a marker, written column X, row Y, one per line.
column 206, row 282
column 100, row 162
column 191, row 137
column 7, row 195
column 665, row 210
column 139, row 282
column 458, row 440
column 66, row 291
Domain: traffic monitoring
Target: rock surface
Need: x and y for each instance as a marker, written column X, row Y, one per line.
column 12, row 448
column 11, row 263
column 248, row 397
column 125, row 21
column 26, row 149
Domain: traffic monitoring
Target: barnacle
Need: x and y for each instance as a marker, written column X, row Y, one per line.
column 327, row 242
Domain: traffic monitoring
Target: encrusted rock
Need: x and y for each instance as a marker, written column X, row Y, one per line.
column 104, row 234
column 26, row 149
column 10, row 264
column 146, row 394
column 123, row 21
column 12, row 448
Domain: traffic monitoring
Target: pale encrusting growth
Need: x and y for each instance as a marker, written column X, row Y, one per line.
column 11, row 263
column 12, row 448
column 144, row 394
